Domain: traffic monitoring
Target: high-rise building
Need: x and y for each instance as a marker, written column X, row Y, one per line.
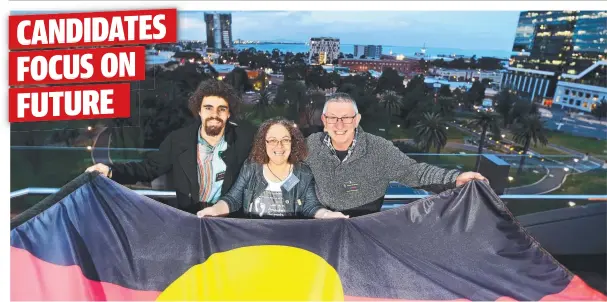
column 326, row 48
column 369, row 51
column 359, row 50
column 219, row 31
column 553, row 47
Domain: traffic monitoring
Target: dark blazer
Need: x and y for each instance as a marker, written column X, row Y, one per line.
column 301, row 197
column 177, row 157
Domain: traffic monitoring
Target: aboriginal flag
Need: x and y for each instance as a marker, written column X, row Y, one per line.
column 97, row 240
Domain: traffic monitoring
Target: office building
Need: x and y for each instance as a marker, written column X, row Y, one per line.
column 495, row 76
column 369, row 51
column 551, row 46
column 219, row 31
column 584, row 91
column 326, row 48
column 406, row 67
column 359, row 50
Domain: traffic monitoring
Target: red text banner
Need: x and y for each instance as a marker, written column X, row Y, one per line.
column 133, row 27
column 76, row 66
column 57, row 103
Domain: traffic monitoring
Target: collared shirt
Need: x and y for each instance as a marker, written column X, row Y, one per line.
column 218, row 168
column 327, row 141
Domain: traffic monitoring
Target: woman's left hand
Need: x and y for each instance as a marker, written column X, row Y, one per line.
column 326, row 214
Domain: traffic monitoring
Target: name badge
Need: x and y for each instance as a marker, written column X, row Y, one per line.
column 220, row 176
column 351, row 187
column 290, row 183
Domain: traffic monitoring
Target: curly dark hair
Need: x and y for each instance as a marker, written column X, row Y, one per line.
column 299, row 150
column 213, row 87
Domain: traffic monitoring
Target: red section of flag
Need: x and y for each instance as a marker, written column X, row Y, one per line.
column 33, row 279
column 130, row 27
column 69, row 102
column 577, row 290
column 76, row 66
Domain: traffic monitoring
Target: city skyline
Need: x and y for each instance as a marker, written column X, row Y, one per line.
column 457, row 29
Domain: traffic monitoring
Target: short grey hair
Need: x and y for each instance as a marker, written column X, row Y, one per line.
column 340, row 97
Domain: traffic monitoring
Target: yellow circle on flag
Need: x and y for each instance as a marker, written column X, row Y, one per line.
column 264, row 272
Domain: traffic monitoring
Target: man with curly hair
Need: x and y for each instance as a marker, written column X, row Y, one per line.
column 203, row 159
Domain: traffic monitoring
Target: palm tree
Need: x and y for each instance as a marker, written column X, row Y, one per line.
column 263, row 105
column 487, row 121
column 392, row 103
column 444, row 106
column 505, row 102
column 430, row 132
column 529, row 128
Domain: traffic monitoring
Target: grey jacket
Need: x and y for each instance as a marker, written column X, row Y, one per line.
column 366, row 173
column 301, row 198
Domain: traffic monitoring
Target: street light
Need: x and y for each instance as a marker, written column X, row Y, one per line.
column 510, row 178
column 503, row 135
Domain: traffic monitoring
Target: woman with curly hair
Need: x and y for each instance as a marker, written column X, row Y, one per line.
column 274, row 182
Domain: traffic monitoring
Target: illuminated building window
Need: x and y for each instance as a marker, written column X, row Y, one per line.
column 585, row 104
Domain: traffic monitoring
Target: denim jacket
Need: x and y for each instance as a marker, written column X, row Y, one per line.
column 301, row 199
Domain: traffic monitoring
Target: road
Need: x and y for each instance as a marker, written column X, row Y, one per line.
column 557, row 169
column 579, row 126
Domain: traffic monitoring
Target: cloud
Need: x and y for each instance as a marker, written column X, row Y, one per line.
column 188, row 22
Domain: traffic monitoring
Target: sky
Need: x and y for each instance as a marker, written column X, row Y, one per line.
column 450, row 29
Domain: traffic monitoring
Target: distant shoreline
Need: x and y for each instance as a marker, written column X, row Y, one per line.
column 266, row 43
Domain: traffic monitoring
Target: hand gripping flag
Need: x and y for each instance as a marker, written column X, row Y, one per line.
column 97, row 240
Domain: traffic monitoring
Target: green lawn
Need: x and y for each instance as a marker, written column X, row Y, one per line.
column 453, row 134
column 46, row 168
column 590, row 183
column 578, row 143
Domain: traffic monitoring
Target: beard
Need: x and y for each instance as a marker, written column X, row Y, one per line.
column 213, row 130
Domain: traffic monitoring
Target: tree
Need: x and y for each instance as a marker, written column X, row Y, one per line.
column 315, row 101
column 477, row 93
column 390, row 80
column 430, row 132
column 261, row 109
column 458, row 96
column 292, row 94
column 505, row 103
column 529, row 128
column 600, row 111
column 522, row 108
column 392, row 103
column 487, row 121
column 313, row 76
column 444, row 90
column 415, row 104
column 239, row 79
column 444, row 106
